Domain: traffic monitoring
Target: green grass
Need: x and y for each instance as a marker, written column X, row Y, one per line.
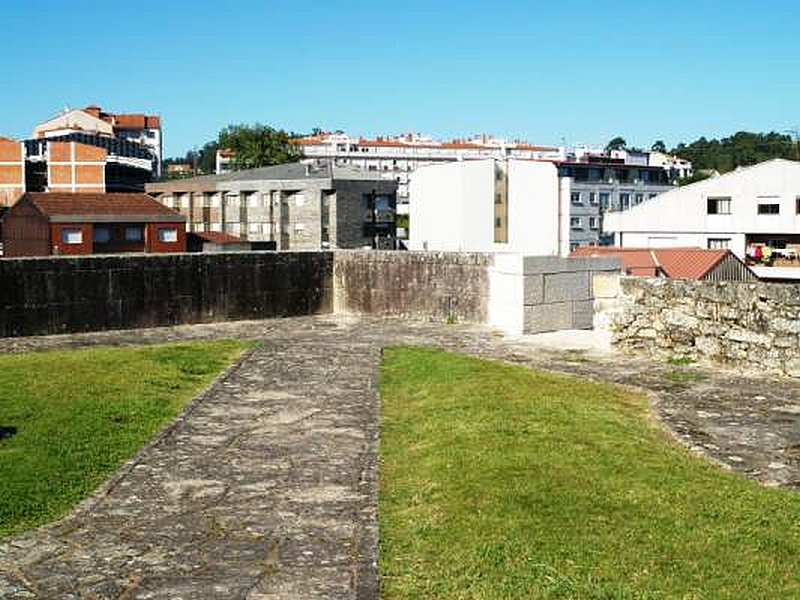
column 683, row 376
column 497, row 481
column 80, row 414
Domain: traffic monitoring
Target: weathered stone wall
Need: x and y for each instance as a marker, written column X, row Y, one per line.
column 59, row 295
column 435, row 285
column 753, row 326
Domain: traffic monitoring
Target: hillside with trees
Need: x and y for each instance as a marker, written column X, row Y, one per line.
column 739, row 150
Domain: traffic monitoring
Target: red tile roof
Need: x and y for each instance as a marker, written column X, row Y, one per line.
column 217, row 237
column 125, row 121
column 55, row 204
column 679, row 263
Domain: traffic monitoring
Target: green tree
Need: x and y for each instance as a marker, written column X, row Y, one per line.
column 659, row 146
column 617, row 143
column 258, row 146
column 206, row 159
column 741, row 149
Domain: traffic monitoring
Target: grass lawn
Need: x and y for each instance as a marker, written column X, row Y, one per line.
column 497, row 481
column 80, row 414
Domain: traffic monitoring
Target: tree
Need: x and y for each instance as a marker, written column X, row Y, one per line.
column 659, row 146
column 618, row 143
column 207, row 158
column 258, row 146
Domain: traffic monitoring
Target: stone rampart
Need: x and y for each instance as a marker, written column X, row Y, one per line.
column 59, row 295
column 434, row 285
column 753, row 326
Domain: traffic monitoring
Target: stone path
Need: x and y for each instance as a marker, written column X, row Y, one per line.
column 265, row 487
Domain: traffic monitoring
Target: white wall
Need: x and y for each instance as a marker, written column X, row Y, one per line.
column 453, row 208
column 682, row 212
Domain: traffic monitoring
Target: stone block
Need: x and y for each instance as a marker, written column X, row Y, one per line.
column 547, row 317
column 532, row 289
column 583, row 314
column 563, row 287
column 605, row 285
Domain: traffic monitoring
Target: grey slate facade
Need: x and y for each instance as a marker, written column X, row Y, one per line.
column 600, row 187
column 289, row 207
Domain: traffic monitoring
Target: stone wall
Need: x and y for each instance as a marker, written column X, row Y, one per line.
column 435, row 285
column 752, row 326
column 59, row 295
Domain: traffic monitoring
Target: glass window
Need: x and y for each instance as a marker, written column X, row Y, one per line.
column 604, row 199
column 168, row 235
column 719, row 243
column 719, row 206
column 72, row 236
column 769, row 209
column 575, row 222
column 133, row 234
column 625, row 200
column 101, row 235
column 639, row 198
column 594, row 222
column 576, row 197
column 592, row 198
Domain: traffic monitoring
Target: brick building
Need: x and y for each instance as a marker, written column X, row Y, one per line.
column 41, row 224
column 289, row 207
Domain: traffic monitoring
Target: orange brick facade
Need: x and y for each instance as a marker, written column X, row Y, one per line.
column 12, row 171
column 75, row 167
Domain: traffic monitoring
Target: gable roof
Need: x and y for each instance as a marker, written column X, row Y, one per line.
column 679, row 263
column 74, row 207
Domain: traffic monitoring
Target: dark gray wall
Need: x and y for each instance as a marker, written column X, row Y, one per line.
column 434, row 285
column 60, row 295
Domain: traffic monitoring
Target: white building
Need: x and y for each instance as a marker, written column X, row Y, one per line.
column 490, row 205
column 397, row 157
column 750, row 207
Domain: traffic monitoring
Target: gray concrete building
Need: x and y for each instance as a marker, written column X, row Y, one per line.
column 599, row 186
column 289, row 207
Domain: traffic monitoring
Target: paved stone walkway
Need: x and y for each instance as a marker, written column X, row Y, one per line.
column 265, row 487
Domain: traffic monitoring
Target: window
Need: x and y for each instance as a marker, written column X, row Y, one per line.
column 639, row 198
column 101, row 235
column 604, row 199
column 719, row 243
column 625, row 200
column 498, row 198
column 72, row 236
column 651, row 196
column 168, row 235
column 133, row 234
column 498, row 222
column 719, row 206
column 575, row 197
column 769, row 209
column 594, row 223
column 797, row 206
column 592, row 198
column 575, row 223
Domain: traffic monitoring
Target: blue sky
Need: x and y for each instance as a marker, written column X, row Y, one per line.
column 577, row 71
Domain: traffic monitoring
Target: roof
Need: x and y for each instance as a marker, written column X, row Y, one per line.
column 679, row 263
column 125, row 120
column 217, row 237
column 284, row 172
column 100, row 207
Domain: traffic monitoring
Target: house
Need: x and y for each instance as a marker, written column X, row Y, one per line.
column 676, row 263
column 490, row 206
column 755, row 209
column 292, row 206
column 215, row 241
column 42, row 224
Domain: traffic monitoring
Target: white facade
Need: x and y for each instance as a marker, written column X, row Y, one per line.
column 454, row 208
column 752, row 205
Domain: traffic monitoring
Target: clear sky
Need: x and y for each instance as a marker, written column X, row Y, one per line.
column 547, row 71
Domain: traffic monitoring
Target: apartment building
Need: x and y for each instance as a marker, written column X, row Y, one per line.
column 395, row 158
column 92, row 121
column 753, row 211
column 289, row 207
column 604, row 183
column 490, row 205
